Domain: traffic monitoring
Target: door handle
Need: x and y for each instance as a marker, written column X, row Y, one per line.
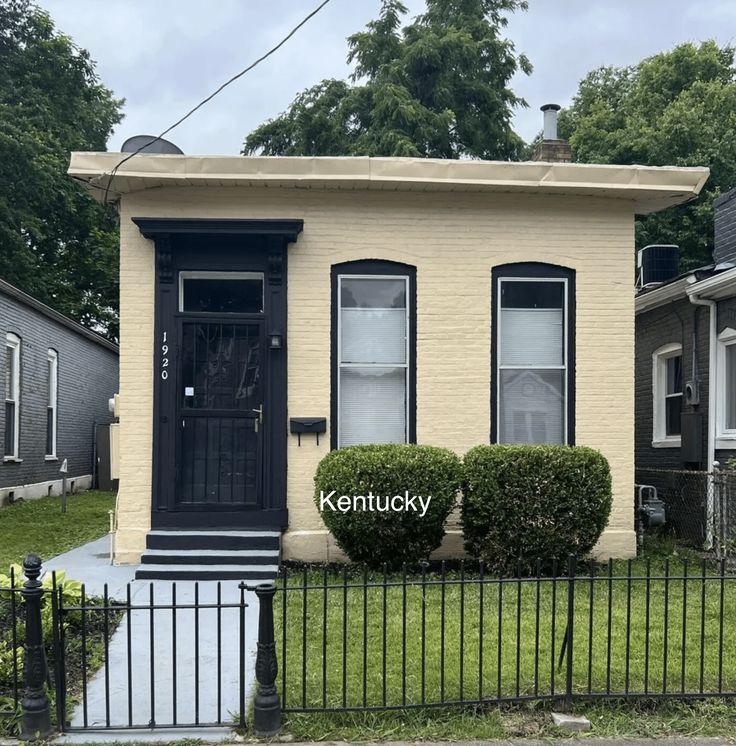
column 259, row 419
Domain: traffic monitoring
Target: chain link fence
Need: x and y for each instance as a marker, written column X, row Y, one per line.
column 700, row 507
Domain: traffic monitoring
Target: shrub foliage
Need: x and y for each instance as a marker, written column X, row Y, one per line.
column 374, row 537
column 525, row 502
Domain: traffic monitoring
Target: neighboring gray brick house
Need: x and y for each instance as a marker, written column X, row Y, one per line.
column 685, row 398
column 58, row 377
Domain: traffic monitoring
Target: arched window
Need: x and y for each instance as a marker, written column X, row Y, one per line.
column 373, row 353
column 12, row 397
column 533, row 354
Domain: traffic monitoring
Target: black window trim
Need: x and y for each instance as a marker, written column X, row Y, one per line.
column 373, row 267
column 535, row 270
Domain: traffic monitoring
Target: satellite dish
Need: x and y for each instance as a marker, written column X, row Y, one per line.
column 150, row 144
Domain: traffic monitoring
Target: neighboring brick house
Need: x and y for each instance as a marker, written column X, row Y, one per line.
column 449, row 303
column 685, row 341
column 58, row 378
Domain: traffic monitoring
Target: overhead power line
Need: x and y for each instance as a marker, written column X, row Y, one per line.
column 213, row 94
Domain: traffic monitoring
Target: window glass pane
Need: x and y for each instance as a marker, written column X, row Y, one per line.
column 368, row 336
column 9, row 372
column 217, row 295
column 369, row 293
column 221, row 363
column 372, row 406
column 674, row 375
column 673, row 408
column 521, row 294
column 49, row 431
column 531, row 406
column 9, row 428
column 531, row 337
column 730, row 387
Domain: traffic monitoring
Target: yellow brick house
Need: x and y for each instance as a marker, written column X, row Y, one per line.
column 275, row 308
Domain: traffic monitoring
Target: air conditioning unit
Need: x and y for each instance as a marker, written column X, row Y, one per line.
column 656, row 264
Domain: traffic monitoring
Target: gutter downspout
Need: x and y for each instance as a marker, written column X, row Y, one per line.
column 695, row 299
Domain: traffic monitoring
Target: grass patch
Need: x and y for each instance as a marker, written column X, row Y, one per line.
column 39, row 525
column 609, row 720
column 502, row 640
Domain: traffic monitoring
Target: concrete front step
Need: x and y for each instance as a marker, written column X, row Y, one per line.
column 210, row 555
column 206, row 572
column 198, row 557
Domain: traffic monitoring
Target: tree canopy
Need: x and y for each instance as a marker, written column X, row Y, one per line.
column 56, row 243
column 437, row 87
column 676, row 108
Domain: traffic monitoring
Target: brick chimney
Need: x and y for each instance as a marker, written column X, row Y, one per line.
column 551, row 148
column 724, row 213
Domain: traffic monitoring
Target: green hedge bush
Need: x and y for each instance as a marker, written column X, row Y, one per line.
column 525, row 502
column 375, row 537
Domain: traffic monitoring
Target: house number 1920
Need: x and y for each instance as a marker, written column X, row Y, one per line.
column 164, row 358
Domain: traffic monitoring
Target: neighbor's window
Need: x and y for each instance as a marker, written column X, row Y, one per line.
column 373, row 358
column 532, row 329
column 53, row 386
column 12, row 396
column 667, row 394
column 221, row 292
column 726, row 391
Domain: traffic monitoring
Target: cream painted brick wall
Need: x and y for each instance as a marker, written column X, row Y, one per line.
column 454, row 240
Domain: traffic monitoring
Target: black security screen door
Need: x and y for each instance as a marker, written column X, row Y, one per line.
column 221, row 415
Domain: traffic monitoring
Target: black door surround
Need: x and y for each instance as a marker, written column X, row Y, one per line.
column 225, row 245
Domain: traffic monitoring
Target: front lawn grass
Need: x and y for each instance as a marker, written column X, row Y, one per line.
column 39, row 525
column 487, row 641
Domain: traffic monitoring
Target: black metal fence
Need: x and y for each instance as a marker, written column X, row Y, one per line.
column 382, row 641
column 174, row 655
column 171, row 655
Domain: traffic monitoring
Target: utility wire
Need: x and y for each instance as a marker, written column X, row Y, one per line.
column 213, row 94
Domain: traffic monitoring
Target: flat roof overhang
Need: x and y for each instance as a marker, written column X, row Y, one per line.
column 649, row 188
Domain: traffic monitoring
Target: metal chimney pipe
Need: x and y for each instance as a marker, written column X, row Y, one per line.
column 550, row 121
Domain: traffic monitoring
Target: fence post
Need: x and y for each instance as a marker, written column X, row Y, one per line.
column 266, row 705
column 35, row 706
column 571, row 571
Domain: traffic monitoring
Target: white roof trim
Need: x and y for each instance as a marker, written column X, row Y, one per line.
column 650, row 188
column 721, row 285
column 662, row 295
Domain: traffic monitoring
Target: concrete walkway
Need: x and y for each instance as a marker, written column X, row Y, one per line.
column 156, row 657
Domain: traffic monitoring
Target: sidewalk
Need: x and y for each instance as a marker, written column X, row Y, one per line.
column 156, row 656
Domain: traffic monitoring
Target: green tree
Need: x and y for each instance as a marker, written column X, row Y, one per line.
column 435, row 88
column 675, row 108
column 56, row 243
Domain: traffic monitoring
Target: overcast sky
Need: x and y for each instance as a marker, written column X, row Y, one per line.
column 163, row 56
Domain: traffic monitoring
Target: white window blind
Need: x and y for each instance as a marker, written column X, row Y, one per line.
column 373, row 360
column 531, row 336
column 532, row 374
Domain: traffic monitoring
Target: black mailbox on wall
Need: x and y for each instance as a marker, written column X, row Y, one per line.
column 308, row 425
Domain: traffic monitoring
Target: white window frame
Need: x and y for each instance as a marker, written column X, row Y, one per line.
column 499, row 356
column 725, row 438
column 660, row 356
column 341, row 365
column 224, row 275
column 53, row 395
column 13, row 346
